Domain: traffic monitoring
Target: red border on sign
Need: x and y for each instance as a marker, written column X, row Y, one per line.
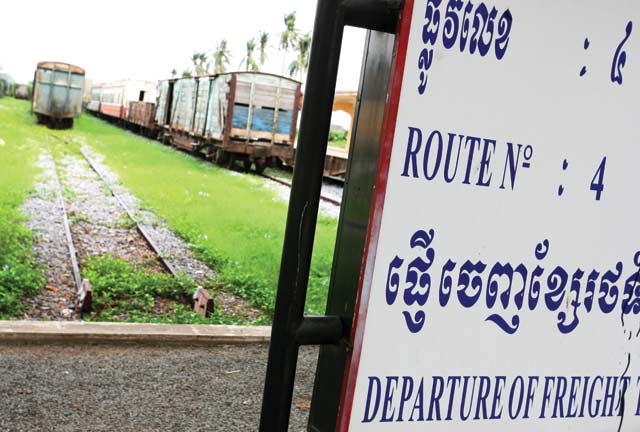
column 375, row 215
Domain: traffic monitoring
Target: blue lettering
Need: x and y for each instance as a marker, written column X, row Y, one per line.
column 609, row 396
column 593, row 412
column 452, row 382
column 427, row 153
column 483, row 393
column 387, row 410
column 410, row 157
column 497, row 394
column 513, row 165
column 518, row 381
column 572, row 409
column 465, row 381
column 546, row 394
column 561, row 390
column 531, row 392
column 437, row 389
column 418, row 403
column 470, row 143
column 407, row 389
column 370, row 410
column 447, row 161
column 487, row 152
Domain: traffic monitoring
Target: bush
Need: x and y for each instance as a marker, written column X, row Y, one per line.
column 19, row 275
column 337, row 135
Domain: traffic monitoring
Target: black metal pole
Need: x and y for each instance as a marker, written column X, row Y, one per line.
column 302, row 215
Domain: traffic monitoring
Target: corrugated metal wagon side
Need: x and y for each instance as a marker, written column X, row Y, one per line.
column 240, row 116
column 57, row 93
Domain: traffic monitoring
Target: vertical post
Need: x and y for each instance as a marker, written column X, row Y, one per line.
column 352, row 226
column 302, row 215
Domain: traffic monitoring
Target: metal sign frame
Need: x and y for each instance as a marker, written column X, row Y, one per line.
column 291, row 328
column 373, row 230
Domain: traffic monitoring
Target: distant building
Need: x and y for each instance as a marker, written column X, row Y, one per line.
column 345, row 101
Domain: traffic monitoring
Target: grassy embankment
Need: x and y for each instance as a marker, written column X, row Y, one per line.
column 233, row 221
column 19, row 147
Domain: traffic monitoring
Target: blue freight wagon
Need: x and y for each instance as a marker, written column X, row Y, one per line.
column 245, row 116
column 57, row 94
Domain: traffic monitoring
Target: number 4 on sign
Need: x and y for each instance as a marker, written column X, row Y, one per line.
column 597, row 183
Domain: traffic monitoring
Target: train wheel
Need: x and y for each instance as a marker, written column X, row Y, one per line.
column 220, row 157
column 246, row 164
column 232, row 160
column 261, row 165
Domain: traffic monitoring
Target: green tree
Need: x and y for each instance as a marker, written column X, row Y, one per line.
column 187, row 73
column 249, row 61
column 200, row 63
column 264, row 40
column 289, row 36
column 221, row 57
column 301, row 63
column 174, row 73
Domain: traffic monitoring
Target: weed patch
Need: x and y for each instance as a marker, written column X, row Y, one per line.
column 126, row 292
column 19, row 275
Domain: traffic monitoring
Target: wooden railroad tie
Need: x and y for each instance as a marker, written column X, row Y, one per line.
column 202, row 302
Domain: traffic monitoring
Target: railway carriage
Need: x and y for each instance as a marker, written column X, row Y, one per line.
column 246, row 116
column 249, row 117
column 57, row 93
column 112, row 100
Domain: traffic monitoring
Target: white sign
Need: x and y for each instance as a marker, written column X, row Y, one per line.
column 501, row 287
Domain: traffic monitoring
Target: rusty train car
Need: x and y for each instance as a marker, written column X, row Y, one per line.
column 249, row 117
column 245, row 117
column 57, row 93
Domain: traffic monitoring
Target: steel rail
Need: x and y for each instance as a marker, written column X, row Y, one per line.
column 67, row 230
column 286, row 183
column 166, row 264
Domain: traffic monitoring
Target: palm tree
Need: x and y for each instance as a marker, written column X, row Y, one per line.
column 301, row 63
column 200, row 63
column 289, row 36
column 174, row 73
column 221, row 57
column 264, row 39
column 249, row 61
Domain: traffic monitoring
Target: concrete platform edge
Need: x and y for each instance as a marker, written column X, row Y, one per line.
column 79, row 332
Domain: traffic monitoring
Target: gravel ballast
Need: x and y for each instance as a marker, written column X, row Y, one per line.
column 119, row 388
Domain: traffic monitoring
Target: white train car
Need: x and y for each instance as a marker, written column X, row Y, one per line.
column 112, row 99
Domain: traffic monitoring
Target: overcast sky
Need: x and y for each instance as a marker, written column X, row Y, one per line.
column 134, row 39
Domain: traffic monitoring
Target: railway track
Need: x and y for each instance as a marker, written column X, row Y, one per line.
column 202, row 301
column 286, row 183
column 166, row 264
column 83, row 291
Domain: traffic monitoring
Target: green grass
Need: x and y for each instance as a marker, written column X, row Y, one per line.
column 19, row 147
column 232, row 220
column 125, row 292
column 338, row 139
